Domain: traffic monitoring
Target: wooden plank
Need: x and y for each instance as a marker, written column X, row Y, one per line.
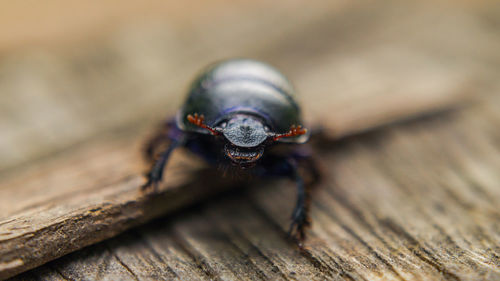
column 90, row 192
column 412, row 202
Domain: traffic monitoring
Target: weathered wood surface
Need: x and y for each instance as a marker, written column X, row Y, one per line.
column 373, row 216
column 413, row 202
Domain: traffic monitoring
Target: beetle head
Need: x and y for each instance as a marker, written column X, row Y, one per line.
column 246, row 136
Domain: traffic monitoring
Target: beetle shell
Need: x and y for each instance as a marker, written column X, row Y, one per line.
column 242, row 86
column 247, row 106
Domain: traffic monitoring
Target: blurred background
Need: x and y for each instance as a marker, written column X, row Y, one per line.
column 71, row 71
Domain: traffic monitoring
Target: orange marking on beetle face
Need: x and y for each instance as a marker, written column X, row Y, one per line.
column 199, row 120
column 294, row 131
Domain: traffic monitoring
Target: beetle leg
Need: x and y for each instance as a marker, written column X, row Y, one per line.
column 300, row 215
column 314, row 171
column 154, row 143
column 305, row 183
column 155, row 174
column 300, row 166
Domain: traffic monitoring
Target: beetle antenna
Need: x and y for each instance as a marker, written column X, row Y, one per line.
column 199, row 120
column 294, row 131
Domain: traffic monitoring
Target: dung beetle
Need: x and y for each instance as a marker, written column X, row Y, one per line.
column 242, row 113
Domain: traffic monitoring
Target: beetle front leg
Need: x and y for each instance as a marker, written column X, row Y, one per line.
column 155, row 174
column 300, row 215
column 302, row 168
column 162, row 138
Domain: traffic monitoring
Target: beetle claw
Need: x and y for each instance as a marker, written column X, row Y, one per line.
column 297, row 230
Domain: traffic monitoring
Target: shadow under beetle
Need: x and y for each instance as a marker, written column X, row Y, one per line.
column 243, row 113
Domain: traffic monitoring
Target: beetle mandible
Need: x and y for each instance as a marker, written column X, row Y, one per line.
column 241, row 112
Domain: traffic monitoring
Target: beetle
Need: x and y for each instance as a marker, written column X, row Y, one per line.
column 242, row 113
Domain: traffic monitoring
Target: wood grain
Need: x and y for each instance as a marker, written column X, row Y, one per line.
column 366, row 226
column 411, row 202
